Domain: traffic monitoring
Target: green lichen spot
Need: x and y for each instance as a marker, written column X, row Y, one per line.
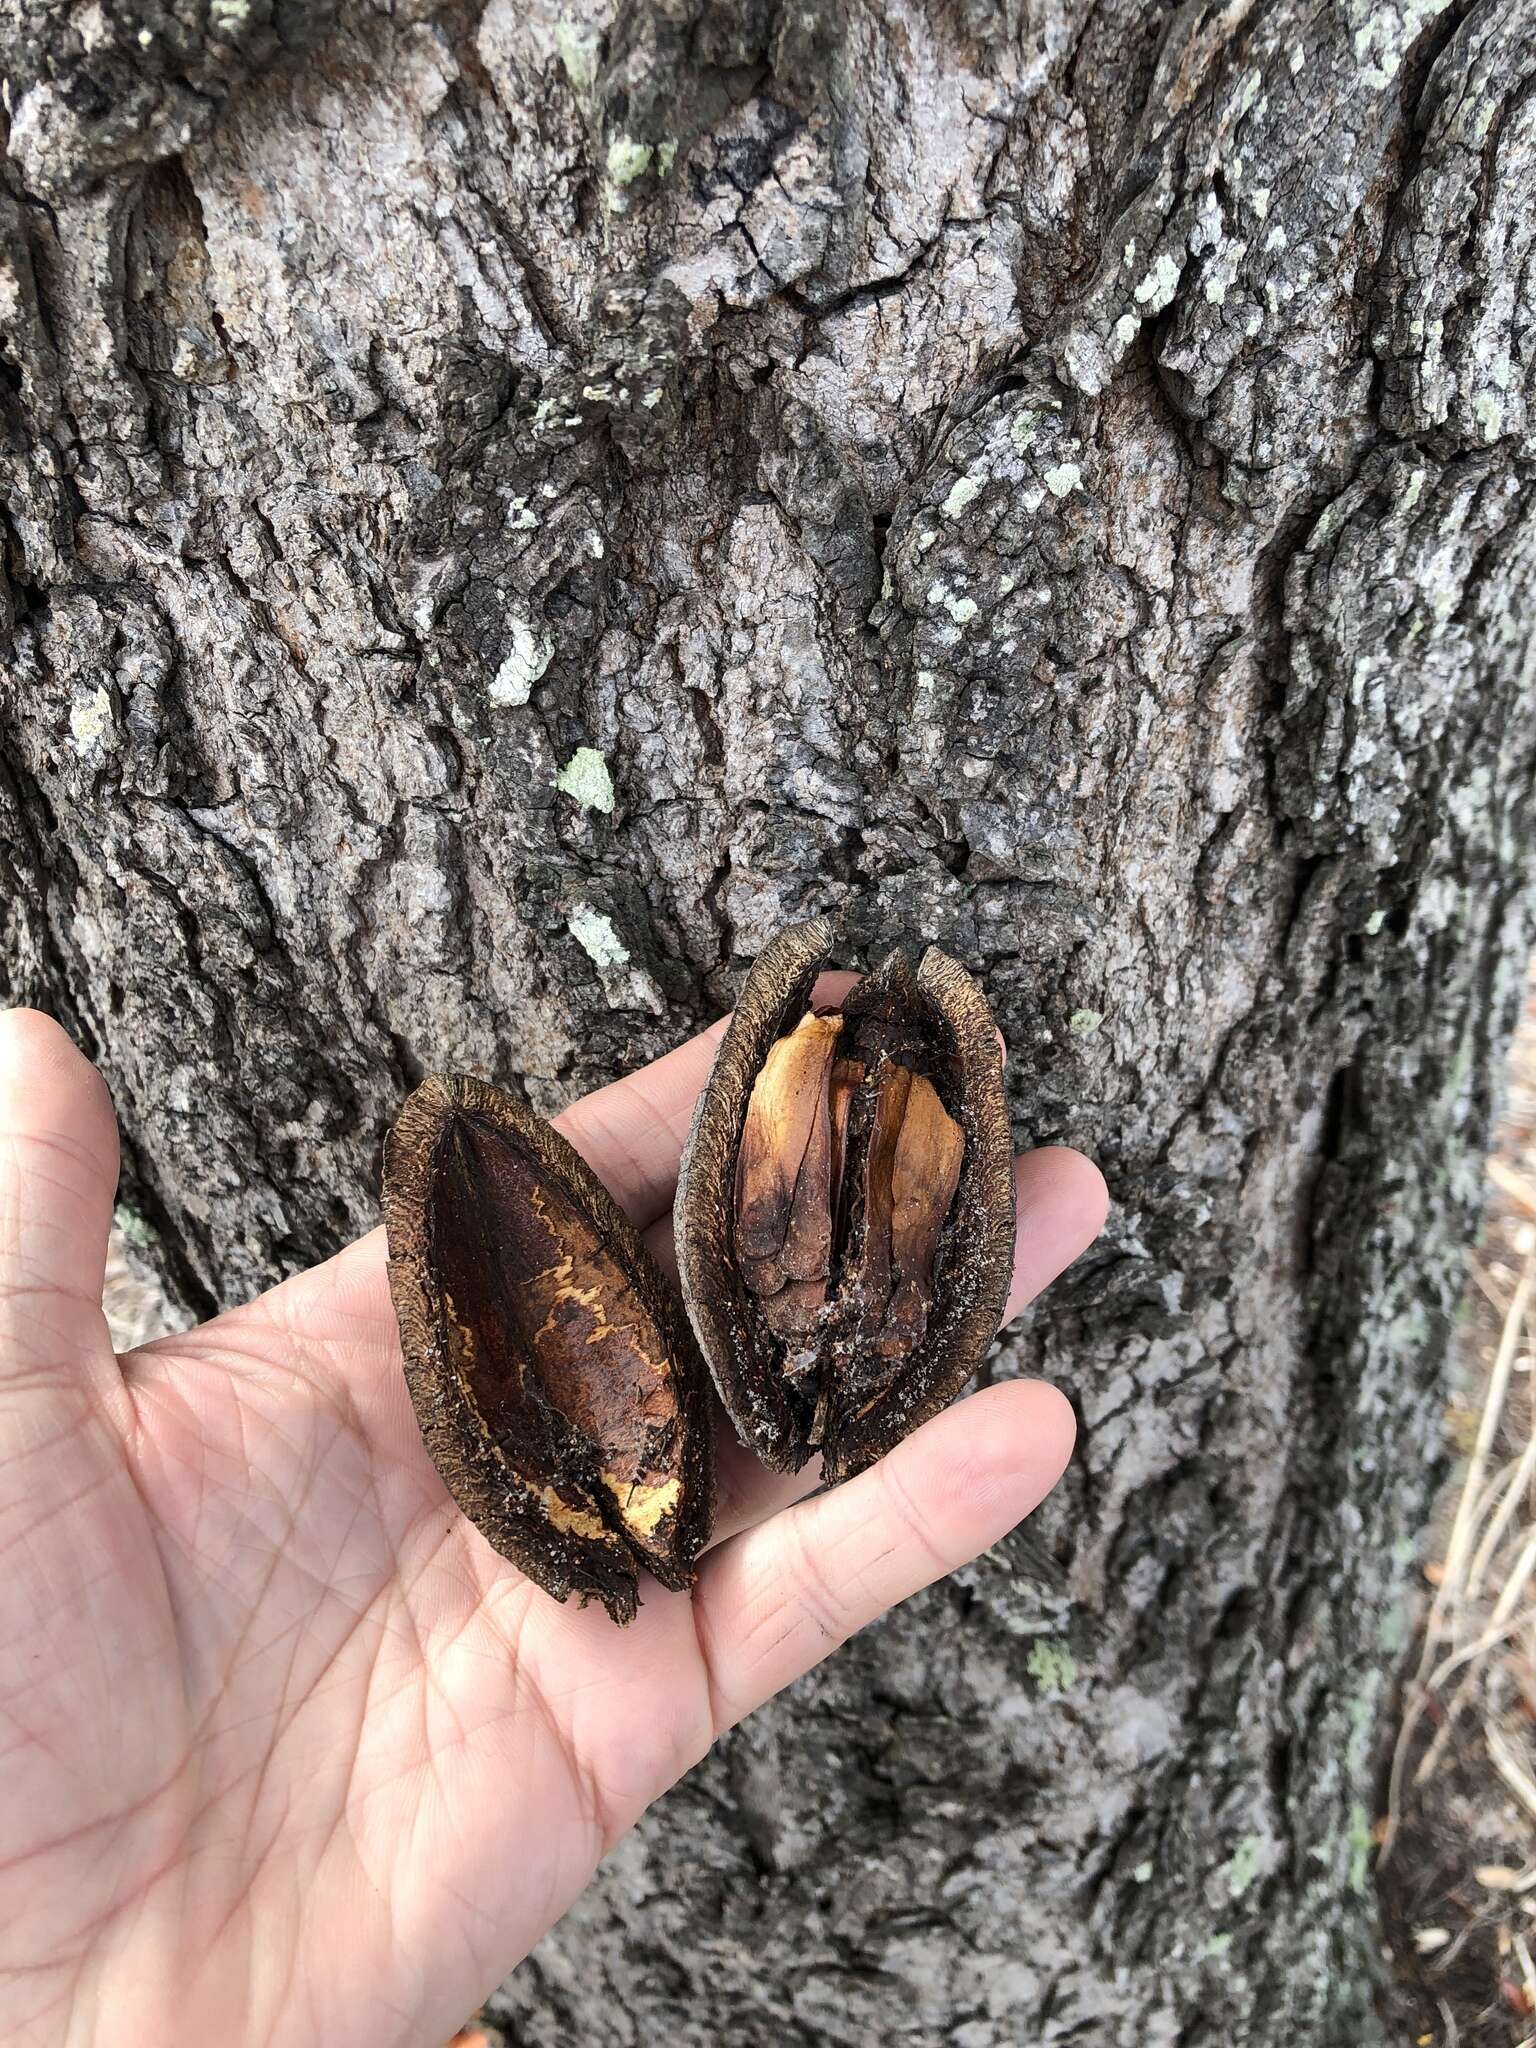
column 585, row 777
column 577, row 50
column 666, row 157
column 1247, row 1859
column 1023, row 427
column 628, row 159
column 1374, row 923
column 1489, row 414
column 133, row 1228
column 962, row 492
column 1142, row 1874
column 89, row 718
column 1065, row 477
column 1359, row 1849
column 595, row 934
column 1051, row 1664
column 1214, row 1949
column 1084, row 1023
column 1393, row 1630
column 961, row 609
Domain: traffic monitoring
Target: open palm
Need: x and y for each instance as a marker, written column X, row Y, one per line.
column 287, row 1753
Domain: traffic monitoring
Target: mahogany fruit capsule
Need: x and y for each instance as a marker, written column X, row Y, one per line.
column 845, row 1208
column 555, row 1378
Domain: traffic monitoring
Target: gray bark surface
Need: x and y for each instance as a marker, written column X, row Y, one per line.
column 505, row 507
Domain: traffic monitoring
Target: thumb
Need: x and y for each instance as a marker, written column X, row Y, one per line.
column 58, row 1177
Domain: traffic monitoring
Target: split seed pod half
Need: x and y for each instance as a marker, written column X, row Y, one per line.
column 553, row 1373
column 845, row 1208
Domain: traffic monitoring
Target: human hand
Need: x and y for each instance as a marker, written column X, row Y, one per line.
column 289, row 1754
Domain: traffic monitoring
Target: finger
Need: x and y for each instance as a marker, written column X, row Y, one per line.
column 746, row 1492
column 58, row 1178
column 777, row 1600
column 1061, row 1205
column 631, row 1133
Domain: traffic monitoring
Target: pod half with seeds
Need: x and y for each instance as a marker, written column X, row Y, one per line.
column 845, row 1210
column 556, row 1381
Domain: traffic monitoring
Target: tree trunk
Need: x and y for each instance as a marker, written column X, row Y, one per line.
column 506, row 508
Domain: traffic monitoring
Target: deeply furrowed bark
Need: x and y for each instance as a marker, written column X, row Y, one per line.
column 504, row 508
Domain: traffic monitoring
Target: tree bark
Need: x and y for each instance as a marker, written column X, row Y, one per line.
column 505, row 507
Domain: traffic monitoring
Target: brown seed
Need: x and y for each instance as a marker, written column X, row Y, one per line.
column 557, row 1384
column 845, row 1209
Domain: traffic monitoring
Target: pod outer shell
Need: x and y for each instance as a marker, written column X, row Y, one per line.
column 500, row 1503
column 976, row 1256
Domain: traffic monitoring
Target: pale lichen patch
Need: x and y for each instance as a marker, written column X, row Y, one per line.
column 628, row 159
column 964, row 491
column 596, row 936
column 1489, row 414
column 1051, row 1664
column 577, row 48
column 89, row 719
column 133, row 1228
column 1157, row 288
column 1025, row 424
column 526, row 659
column 1064, row 478
column 961, row 609
column 1247, row 1863
column 586, row 778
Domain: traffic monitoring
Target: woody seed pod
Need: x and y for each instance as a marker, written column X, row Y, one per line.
column 553, row 1373
column 845, row 1209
